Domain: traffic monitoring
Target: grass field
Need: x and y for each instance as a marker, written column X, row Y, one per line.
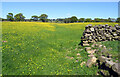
column 113, row 48
column 37, row 48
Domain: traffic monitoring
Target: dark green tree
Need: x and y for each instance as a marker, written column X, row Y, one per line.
column 10, row 17
column 109, row 19
column 60, row 20
column 1, row 19
column 102, row 20
column 97, row 20
column 88, row 20
column 34, row 18
column 81, row 20
column 43, row 17
column 67, row 20
column 19, row 17
column 118, row 20
column 73, row 19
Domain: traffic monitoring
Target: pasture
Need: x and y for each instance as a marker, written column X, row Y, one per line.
column 36, row 48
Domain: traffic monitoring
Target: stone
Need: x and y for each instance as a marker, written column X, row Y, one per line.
column 106, row 26
column 82, row 63
column 115, row 34
column 94, row 37
column 110, row 31
column 86, row 45
column 92, row 29
column 87, row 48
column 109, row 63
column 85, row 42
column 86, row 27
column 118, row 32
column 87, row 34
column 103, row 38
column 104, row 59
column 103, row 26
column 90, row 37
column 76, row 61
column 116, row 68
column 91, row 55
column 91, row 61
column 91, row 51
column 96, row 45
column 97, row 74
column 117, row 27
column 87, row 31
column 109, row 56
column 76, row 49
column 93, row 45
column 104, row 49
column 107, row 35
column 90, row 41
column 100, row 46
column 69, row 57
column 116, row 37
column 113, row 29
column 119, row 38
column 78, row 54
column 82, row 37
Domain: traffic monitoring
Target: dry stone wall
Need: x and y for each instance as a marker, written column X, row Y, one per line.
column 98, row 53
column 99, row 33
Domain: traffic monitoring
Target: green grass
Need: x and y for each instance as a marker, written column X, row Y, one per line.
column 42, row 48
column 113, row 48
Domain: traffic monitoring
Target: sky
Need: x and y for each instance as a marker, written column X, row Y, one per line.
column 62, row 9
column 60, row 0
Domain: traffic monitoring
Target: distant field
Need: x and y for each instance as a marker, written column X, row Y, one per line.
column 38, row 48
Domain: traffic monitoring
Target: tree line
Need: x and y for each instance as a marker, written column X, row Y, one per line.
column 44, row 18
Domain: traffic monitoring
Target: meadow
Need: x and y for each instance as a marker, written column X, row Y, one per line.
column 36, row 48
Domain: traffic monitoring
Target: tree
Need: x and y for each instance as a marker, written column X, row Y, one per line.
column 19, row 17
column 118, row 20
column 49, row 20
column 43, row 17
column 60, row 20
column 97, row 20
column 81, row 20
column 10, row 17
column 67, row 20
column 1, row 19
column 88, row 20
column 73, row 19
column 109, row 19
column 102, row 20
column 35, row 18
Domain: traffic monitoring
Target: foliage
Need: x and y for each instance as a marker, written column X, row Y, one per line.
column 88, row 20
column 10, row 17
column 43, row 17
column 67, row 20
column 118, row 20
column 73, row 19
column 109, row 19
column 35, row 18
column 19, row 17
column 81, row 20
column 97, row 20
